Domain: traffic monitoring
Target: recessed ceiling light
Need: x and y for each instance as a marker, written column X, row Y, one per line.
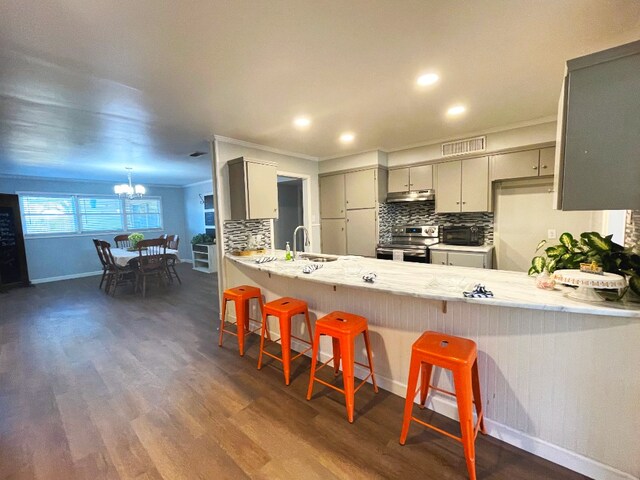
column 302, row 122
column 427, row 79
column 347, row 137
column 456, row 110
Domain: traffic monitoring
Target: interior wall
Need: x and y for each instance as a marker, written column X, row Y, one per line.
column 68, row 256
column 524, row 215
column 287, row 164
column 194, row 210
column 358, row 160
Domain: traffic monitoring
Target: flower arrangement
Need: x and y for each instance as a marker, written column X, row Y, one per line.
column 134, row 238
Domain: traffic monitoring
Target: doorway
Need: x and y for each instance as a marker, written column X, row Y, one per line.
column 290, row 211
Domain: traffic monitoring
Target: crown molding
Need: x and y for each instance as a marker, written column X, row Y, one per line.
column 242, row 143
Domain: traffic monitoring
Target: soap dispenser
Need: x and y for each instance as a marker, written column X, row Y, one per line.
column 287, row 254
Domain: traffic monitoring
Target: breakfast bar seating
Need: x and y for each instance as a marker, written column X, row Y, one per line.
column 284, row 308
column 240, row 296
column 343, row 328
column 460, row 356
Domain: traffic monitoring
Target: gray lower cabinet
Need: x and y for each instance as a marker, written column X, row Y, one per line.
column 462, row 259
column 334, row 236
column 362, row 232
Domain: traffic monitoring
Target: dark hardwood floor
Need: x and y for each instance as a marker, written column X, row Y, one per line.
column 98, row 387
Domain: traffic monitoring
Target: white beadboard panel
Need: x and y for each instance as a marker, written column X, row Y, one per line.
column 562, row 380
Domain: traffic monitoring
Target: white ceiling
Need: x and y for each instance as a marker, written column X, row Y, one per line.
column 87, row 88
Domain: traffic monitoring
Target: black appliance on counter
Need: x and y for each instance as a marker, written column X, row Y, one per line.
column 463, row 235
column 409, row 242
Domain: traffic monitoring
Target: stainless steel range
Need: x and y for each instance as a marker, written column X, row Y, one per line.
column 409, row 243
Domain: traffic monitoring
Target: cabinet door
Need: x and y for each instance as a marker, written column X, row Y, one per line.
column 332, row 196
column 438, row 258
column 475, row 185
column 262, row 187
column 421, row 178
column 399, row 180
column 448, row 186
column 362, row 235
column 515, row 165
column 360, row 189
column 334, row 236
column 547, row 161
column 466, row 259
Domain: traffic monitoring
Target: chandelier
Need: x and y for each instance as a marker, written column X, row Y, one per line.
column 127, row 189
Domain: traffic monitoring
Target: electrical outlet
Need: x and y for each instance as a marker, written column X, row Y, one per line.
column 551, row 233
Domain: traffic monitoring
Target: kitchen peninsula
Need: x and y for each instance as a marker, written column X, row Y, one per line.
column 555, row 373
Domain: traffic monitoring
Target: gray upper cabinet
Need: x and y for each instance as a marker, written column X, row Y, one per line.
column 529, row 163
column 332, row 196
column 399, row 180
column 411, row 178
column 463, row 186
column 253, row 187
column 421, row 178
column 599, row 146
column 360, row 189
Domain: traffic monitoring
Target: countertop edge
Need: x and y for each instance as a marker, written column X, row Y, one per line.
column 588, row 309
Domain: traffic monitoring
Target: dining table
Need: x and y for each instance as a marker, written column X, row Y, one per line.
column 123, row 256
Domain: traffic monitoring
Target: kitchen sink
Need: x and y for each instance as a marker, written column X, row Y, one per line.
column 318, row 258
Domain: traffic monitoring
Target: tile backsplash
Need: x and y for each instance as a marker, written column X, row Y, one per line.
column 632, row 230
column 236, row 233
column 423, row 213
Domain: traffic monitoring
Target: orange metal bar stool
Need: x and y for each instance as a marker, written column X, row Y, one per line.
column 240, row 296
column 343, row 328
column 460, row 356
column 284, row 308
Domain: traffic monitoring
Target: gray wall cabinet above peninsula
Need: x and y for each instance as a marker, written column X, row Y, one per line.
column 253, row 189
column 599, row 154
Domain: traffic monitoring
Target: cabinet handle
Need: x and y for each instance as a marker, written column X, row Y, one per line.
column 451, row 264
column 544, row 166
column 457, row 203
column 341, row 211
column 406, row 185
column 411, row 184
column 535, row 167
column 464, row 203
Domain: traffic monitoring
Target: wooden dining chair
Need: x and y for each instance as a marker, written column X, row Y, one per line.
column 105, row 265
column 151, row 262
column 173, row 242
column 122, row 241
column 116, row 275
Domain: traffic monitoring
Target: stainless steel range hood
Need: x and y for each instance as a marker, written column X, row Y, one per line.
column 415, row 196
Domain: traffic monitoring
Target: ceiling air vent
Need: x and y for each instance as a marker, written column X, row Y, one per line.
column 461, row 147
column 197, row 154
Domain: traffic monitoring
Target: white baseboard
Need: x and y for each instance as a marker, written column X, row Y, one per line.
column 186, row 260
column 65, row 277
column 541, row 448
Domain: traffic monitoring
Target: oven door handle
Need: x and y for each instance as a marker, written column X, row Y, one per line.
column 411, row 253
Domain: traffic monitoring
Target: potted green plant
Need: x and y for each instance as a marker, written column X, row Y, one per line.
column 134, row 238
column 202, row 238
column 591, row 247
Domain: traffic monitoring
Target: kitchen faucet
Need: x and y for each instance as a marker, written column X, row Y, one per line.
column 295, row 235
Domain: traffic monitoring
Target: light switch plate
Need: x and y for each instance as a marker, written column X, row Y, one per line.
column 551, row 233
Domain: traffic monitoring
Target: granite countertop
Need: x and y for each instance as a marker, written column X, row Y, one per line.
column 439, row 282
column 462, row 248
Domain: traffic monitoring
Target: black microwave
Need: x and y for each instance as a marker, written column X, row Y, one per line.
column 463, row 235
